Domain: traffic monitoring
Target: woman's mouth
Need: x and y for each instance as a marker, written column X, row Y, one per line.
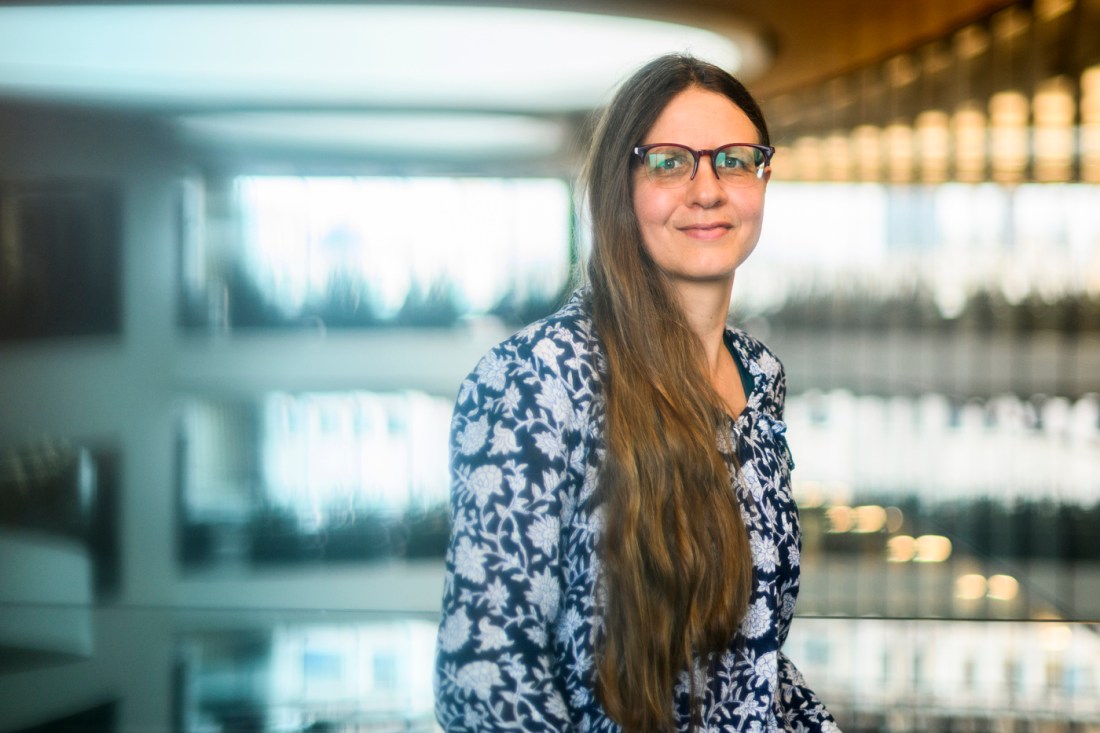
column 712, row 230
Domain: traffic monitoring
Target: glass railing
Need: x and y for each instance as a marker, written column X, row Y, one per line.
column 189, row 669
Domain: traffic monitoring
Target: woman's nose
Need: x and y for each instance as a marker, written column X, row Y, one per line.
column 705, row 188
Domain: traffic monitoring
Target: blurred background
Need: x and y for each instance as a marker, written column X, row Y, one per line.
column 248, row 252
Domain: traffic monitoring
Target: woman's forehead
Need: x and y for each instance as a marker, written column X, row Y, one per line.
column 702, row 118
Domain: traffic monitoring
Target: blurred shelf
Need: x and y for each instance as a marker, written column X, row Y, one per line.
column 46, row 592
column 433, row 360
column 966, row 364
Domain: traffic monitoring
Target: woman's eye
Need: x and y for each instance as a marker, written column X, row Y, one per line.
column 732, row 162
column 666, row 162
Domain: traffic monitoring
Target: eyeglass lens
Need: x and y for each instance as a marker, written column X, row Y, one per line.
column 672, row 165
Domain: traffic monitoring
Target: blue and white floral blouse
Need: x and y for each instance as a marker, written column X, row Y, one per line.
column 515, row 648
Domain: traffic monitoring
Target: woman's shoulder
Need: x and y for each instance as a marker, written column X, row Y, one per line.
column 560, row 347
column 756, row 350
column 560, row 341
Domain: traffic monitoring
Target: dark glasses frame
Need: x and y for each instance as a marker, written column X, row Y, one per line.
column 767, row 150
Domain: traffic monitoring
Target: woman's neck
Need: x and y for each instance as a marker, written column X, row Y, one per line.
column 706, row 307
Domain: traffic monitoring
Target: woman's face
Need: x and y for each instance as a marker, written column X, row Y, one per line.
column 701, row 231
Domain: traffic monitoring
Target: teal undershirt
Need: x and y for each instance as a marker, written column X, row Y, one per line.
column 747, row 382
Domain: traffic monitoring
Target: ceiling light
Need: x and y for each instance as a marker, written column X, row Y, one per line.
column 453, row 136
column 198, row 57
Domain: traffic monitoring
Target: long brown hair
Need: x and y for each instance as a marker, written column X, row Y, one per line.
column 676, row 566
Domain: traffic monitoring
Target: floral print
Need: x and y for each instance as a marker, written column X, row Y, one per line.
column 515, row 648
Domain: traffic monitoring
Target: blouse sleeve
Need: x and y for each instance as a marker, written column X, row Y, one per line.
column 801, row 710
column 509, row 463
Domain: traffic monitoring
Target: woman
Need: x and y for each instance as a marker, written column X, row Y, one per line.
column 624, row 550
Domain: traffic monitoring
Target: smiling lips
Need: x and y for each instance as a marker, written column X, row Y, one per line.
column 712, row 230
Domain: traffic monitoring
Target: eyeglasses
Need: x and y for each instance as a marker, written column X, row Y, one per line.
column 669, row 165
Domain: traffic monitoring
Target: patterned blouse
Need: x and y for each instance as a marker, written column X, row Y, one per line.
column 516, row 642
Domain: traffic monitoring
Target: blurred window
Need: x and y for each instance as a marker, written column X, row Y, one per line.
column 362, row 251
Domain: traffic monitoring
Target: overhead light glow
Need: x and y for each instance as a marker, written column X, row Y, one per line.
column 901, row 548
column 970, row 587
column 841, row 518
column 932, row 548
column 408, row 56
column 452, row 136
column 1003, row 587
column 870, row 518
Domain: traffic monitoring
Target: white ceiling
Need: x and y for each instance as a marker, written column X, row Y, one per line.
column 324, row 56
column 342, row 76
